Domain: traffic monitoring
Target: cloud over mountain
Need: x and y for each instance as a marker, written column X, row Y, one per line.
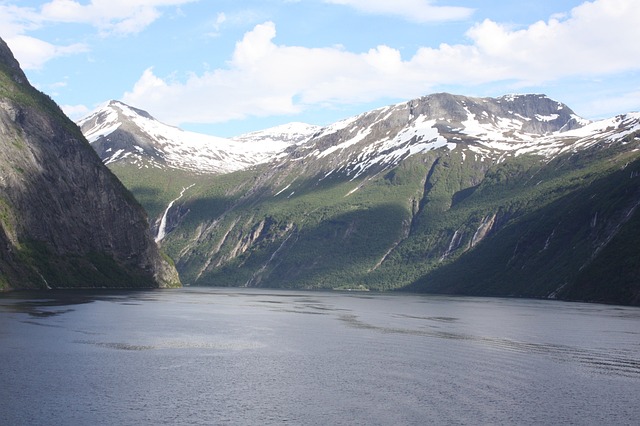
column 264, row 78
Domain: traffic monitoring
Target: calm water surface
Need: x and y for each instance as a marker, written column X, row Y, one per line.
column 256, row 357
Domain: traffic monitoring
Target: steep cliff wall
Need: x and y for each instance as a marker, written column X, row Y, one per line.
column 65, row 220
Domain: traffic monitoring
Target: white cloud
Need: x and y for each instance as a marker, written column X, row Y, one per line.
column 421, row 11
column 606, row 106
column 75, row 112
column 263, row 78
column 221, row 18
column 109, row 16
column 119, row 17
column 32, row 53
column 597, row 38
column 16, row 20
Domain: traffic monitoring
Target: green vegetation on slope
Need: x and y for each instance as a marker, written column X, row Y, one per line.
column 552, row 244
column 307, row 236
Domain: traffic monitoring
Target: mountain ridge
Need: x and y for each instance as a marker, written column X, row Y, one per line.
column 101, row 123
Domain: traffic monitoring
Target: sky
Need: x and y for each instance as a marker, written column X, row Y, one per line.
column 228, row 67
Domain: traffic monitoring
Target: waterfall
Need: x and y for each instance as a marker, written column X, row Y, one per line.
column 162, row 229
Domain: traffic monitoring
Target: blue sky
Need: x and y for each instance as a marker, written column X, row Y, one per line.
column 228, row 67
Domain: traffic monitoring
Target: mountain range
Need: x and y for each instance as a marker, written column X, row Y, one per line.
column 65, row 219
column 509, row 196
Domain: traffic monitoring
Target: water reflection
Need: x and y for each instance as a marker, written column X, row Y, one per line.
column 38, row 303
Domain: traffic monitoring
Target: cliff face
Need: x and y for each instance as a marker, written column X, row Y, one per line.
column 65, row 220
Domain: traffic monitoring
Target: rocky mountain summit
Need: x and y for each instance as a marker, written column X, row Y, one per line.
column 484, row 128
column 65, row 219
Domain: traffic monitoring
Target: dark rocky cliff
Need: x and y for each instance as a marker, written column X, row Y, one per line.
column 65, row 220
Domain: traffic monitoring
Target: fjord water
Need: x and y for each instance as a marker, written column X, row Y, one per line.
column 255, row 357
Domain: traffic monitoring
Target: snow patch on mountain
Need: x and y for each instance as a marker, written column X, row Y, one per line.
column 603, row 131
column 611, row 130
column 420, row 135
column 339, row 125
column 280, row 137
column 359, row 137
column 547, row 117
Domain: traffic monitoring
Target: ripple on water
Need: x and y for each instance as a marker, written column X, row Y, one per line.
column 176, row 344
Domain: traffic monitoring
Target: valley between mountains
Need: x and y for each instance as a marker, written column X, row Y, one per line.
column 510, row 196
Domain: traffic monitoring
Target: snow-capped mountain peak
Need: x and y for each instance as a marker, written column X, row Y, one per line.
column 119, row 132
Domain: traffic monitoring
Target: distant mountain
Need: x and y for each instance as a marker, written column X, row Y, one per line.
column 120, row 133
column 283, row 136
column 65, row 220
column 508, row 196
